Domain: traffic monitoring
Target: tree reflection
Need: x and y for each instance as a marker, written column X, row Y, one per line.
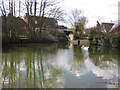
column 99, row 55
column 78, row 55
column 26, row 67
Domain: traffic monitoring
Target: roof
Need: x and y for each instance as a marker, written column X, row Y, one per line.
column 47, row 22
column 116, row 29
column 116, row 23
column 108, row 23
column 61, row 27
column 107, row 26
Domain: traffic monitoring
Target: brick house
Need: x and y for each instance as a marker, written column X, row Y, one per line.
column 48, row 23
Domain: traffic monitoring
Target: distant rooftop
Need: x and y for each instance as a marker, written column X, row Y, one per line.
column 107, row 26
column 108, row 23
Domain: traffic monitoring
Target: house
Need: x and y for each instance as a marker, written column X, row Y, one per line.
column 61, row 28
column 106, row 27
column 116, row 30
column 116, row 27
column 15, row 23
column 22, row 26
column 48, row 23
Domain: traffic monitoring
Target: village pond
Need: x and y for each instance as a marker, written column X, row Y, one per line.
column 58, row 66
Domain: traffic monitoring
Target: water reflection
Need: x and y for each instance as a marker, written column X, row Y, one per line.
column 106, row 60
column 0, row 68
column 57, row 66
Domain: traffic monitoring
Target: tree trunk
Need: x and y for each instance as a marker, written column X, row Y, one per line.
column 11, row 7
column 19, row 7
column 43, row 12
column 35, row 6
column 14, row 8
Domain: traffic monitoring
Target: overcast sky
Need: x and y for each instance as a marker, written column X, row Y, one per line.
column 101, row 10
column 94, row 10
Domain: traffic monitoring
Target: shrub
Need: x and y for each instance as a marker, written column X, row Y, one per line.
column 114, row 39
column 96, row 37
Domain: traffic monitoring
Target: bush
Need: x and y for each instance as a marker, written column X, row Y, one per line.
column 114, row 39
column 96, row 37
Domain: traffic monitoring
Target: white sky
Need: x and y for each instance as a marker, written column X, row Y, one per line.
column 94, row 9
column 101, row 10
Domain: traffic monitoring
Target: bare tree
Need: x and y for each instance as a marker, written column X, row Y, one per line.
column 2, row 8
column 35, row 9
column 47, row 8
column 31, row 4
column 56, row 13
column 27, row 3
column 75, row 16
column 84, row 20
column 46, row 5
column 31, row 8
column 19, row 7
column 14, row 7
column 42, row 12
column 9, row 6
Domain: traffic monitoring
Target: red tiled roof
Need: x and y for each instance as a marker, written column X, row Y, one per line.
column 116, row 29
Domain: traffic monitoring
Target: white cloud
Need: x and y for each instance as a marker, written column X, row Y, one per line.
column 107, row 9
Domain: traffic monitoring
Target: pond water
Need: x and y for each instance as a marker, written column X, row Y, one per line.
column 58, row 66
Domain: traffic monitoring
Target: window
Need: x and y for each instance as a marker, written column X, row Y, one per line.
column 35, row 21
